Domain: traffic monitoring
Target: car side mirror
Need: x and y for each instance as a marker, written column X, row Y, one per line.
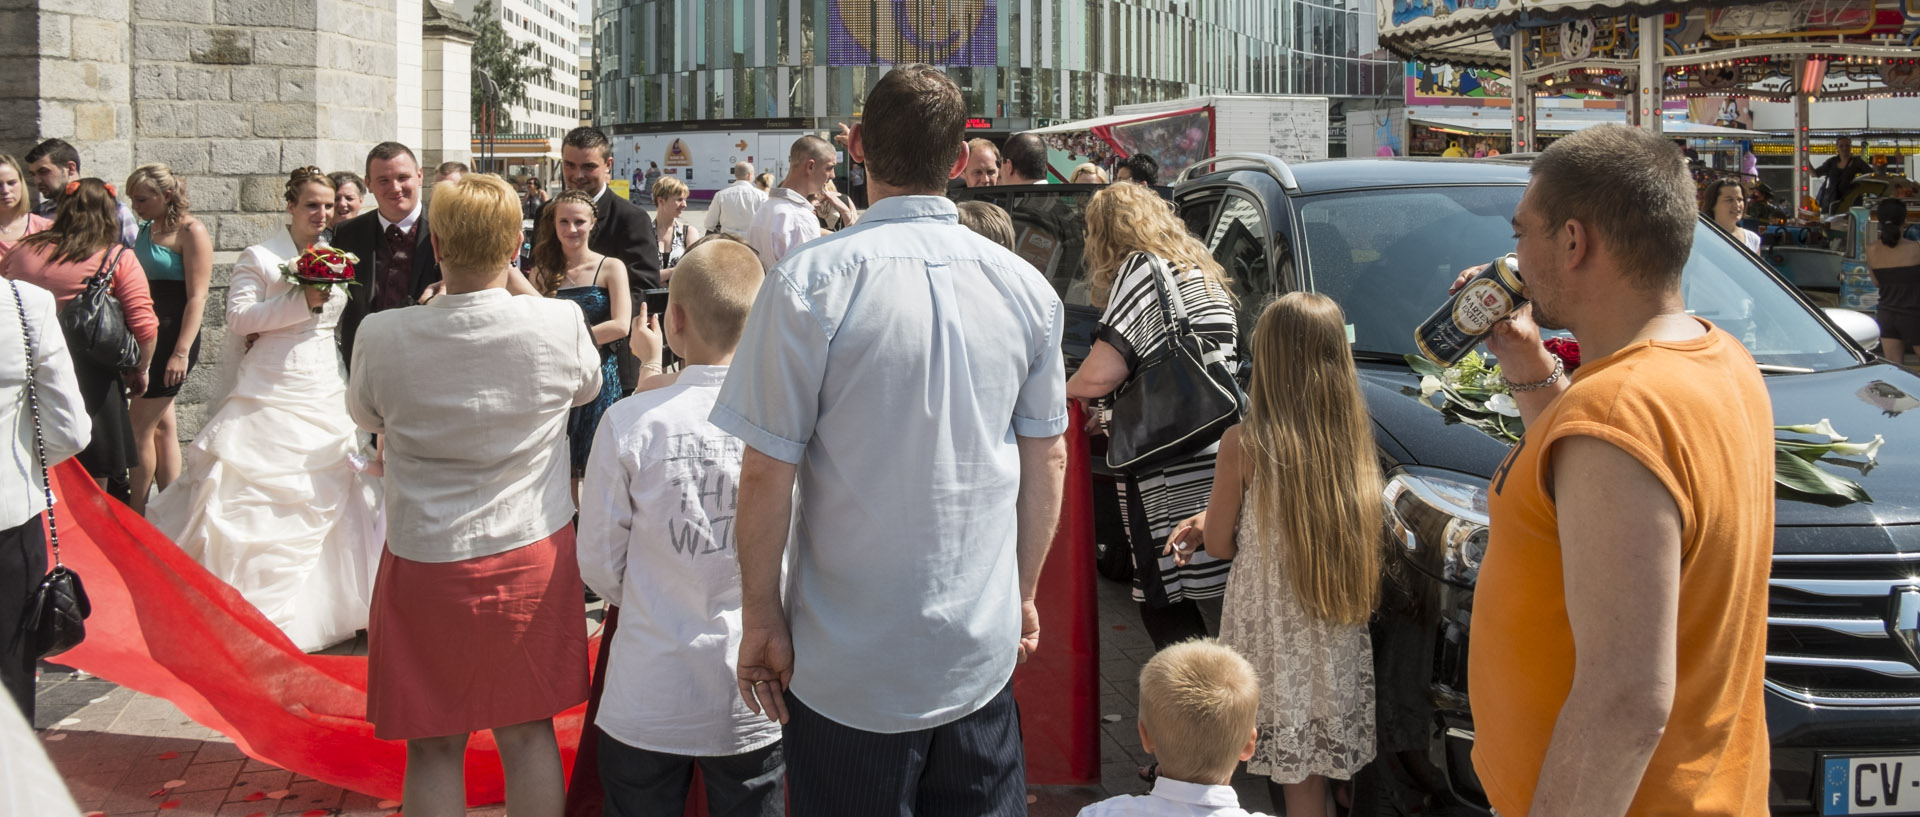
column 1862, row 328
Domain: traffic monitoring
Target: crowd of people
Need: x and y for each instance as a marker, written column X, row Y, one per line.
column 823, row 518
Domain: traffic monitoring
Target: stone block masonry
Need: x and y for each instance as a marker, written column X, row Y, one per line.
column 232, row 94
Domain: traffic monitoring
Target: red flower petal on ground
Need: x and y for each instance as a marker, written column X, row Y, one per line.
column 169, row 755
column 255, row 797
column 170, row 804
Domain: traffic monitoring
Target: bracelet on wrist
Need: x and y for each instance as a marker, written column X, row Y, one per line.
column 1559, row 369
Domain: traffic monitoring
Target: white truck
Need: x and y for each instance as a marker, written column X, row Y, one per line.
column 1179, row 132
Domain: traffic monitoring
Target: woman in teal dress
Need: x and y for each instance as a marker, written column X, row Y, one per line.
column 176, row 252
column 563, row 267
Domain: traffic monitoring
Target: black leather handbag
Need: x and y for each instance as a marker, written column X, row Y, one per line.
column 1177, row 403
column 56, row 615
column 96, row 322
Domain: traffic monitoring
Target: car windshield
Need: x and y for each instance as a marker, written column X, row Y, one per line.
column 1388, row 256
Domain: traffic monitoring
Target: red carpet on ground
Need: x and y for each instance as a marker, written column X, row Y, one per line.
column 165, row 627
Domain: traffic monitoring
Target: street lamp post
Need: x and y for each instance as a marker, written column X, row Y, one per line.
column 489, row 109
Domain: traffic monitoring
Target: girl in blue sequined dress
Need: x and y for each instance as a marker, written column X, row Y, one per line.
column 563, row 267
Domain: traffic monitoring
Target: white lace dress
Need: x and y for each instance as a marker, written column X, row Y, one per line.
column 1316, row 678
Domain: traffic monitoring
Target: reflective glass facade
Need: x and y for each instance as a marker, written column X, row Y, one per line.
column 1019, row 62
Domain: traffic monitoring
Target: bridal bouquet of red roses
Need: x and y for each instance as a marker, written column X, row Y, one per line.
column 321, row 266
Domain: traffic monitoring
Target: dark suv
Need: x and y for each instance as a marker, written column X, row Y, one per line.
column 1385, row 238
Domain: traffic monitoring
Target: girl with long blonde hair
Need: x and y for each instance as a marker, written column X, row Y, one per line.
column 1296, row 503
column 1133, row 240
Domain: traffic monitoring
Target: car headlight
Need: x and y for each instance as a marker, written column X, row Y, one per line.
column 1440, row 521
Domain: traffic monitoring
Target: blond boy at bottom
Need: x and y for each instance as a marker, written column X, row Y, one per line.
column 1197, row 704
column 656, row 538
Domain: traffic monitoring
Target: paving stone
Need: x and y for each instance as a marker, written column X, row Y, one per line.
column 249, row 782
column 218, row 775
column 217, row 750
column 244, row 810
column 309, row 795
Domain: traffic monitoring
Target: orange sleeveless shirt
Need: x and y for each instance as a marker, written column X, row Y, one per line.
column 1696, row 414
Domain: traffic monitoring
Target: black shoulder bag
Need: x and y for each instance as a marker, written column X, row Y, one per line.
column 1175, row 404
column 96, row 322
column 56, row 619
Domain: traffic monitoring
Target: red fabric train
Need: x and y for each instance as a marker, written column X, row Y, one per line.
column 165, row 627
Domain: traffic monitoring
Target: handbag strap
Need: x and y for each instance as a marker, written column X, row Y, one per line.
column 1172, row 306
column 109, row 263
column 33, row 409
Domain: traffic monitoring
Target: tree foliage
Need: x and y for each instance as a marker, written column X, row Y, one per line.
column 511, row 64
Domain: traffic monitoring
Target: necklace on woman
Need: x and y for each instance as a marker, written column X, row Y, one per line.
column 571, row 278
column 16, row 228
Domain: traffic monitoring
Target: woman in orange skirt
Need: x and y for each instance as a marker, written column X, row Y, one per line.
column 476, row 621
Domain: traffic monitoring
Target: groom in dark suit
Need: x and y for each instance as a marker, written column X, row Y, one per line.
column 621, row 229
column 396, row 254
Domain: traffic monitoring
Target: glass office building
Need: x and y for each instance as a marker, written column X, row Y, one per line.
column 1021, row 63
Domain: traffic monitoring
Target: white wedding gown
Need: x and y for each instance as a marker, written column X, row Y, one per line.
column 272, row 499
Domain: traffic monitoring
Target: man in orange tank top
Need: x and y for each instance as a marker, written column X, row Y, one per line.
column 1619, row 623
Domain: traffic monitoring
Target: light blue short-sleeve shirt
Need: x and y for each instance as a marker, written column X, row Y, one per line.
column 895, row 362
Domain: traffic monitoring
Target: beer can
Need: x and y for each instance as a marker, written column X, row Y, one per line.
column 1451, row 332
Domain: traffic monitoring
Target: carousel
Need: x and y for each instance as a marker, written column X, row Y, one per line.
column 1645, row 52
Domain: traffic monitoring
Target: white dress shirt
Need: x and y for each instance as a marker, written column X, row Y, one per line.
column 905, row 338
column 733, row 208
column 474, row 414
column 404, row 224
column 786, row 221
column 1173, row 798
column 64, row 425
column 656, row 537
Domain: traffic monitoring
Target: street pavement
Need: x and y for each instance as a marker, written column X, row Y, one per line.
column 124, row 754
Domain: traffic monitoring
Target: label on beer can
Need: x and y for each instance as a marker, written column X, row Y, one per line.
column 1482, row 304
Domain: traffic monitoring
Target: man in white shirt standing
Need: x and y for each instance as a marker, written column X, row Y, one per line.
column 734, row 206
column 787, row 220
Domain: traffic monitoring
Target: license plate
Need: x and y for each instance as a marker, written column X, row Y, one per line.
column 1885, row 784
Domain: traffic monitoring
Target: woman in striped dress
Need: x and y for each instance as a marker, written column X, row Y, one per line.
column 1132, row 236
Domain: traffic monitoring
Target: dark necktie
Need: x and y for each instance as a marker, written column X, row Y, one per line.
column 398, row 272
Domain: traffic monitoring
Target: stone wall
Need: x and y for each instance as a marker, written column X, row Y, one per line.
column 67, row 70
column 232, row 94
column 447, row 83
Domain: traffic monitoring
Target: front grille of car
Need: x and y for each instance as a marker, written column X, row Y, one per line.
column 1827, row 639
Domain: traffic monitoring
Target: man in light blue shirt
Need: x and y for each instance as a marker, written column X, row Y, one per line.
column 906, row 375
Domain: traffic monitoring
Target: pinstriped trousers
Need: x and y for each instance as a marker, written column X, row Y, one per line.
column 973, row 767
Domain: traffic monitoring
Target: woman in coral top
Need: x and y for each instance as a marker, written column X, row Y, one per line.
column 83, row 241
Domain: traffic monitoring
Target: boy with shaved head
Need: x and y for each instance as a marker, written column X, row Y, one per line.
column 656, row 537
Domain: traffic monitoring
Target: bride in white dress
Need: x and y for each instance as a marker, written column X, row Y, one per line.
column 273, row 498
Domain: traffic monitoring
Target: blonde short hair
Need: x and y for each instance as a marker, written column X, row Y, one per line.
column 1198, row 700
column 477, row 222
column 667, row 187
column 715, row 283
column 989, row 220
column 1099, row 176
